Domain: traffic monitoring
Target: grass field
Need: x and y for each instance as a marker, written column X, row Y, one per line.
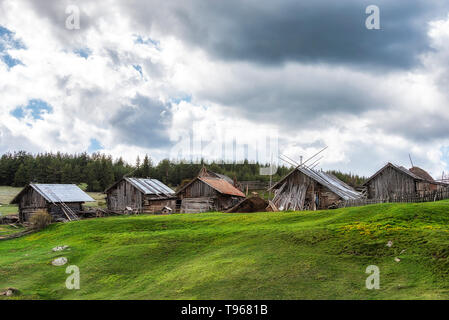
column 6, row 195
column 285, row 255
column 100, row 200
column 8, row 209
column 7, row 229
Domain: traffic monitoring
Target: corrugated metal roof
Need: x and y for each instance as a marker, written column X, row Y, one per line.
column 329, row 181
column 222, row 186
column 151, row 186
column 332, row 183
column 62, row 192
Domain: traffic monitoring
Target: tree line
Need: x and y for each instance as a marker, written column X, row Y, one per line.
column 99, row 171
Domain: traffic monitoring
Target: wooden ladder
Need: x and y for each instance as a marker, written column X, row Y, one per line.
column 69, row 213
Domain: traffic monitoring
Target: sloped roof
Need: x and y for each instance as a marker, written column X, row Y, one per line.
column 147, row 186
column 204, row 172
column 219, row 182
column 421, row 173
column 327, row 180
column 224, row 177
column 222, row 186
column 150, row 186
column 396, row 167
column 57, row 193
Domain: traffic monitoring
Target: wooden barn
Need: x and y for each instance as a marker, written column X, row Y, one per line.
column 393, row 181
column 306, row 189
column 141, row 195
column 61, row 201
column 209, row 191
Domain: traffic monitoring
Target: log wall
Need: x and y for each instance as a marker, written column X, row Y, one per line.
column 389, row 183
column 197, row 205
column 198, row 189
column 200, row 197
column 154, row 205
column 59, row 215
column 31, row 202
column 123, row 195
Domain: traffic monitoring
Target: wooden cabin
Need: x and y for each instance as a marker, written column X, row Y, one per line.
column 306, row 189
column 61, row 201
column 141, row 195
column 393, row 180
column 209, row 191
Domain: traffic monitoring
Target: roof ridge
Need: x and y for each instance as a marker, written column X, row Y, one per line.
column 147, row 186
column 237, row 192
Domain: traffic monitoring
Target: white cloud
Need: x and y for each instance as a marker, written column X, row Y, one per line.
column 366, row 117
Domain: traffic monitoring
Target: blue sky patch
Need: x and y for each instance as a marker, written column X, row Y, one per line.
column 445, row 152
column 36, row 108
column 18, row 113
column 8, row 42
column 94, row 146
column 10, row 61
column 83, row 52
column 139, row 69
column 186, row 98
column 148, row 41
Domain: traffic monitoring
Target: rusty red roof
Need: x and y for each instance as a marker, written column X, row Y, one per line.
column 222, row 186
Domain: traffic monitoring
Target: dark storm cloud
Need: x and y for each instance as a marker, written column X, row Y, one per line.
column 271, row 32
column 55, row 13
column 295, row 96
column 143, row 123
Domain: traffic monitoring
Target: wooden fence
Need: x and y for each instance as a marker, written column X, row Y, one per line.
column 255, row 185
column 428, row 196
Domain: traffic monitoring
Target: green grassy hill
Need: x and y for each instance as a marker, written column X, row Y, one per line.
column 286, row 255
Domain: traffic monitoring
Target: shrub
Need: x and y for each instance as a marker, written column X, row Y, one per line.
column 40, row 220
